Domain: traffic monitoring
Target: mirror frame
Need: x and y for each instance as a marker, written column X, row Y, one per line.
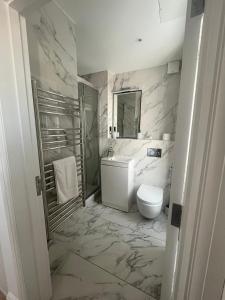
column 120, row 92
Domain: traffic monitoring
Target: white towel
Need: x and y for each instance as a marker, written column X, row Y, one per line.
column 66, row 179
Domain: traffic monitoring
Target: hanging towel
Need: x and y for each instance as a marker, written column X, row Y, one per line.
column 66, row 179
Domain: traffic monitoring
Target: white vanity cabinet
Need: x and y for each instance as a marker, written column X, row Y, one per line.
column 117, row 181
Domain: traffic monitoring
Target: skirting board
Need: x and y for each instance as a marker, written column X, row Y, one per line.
column 10, row 296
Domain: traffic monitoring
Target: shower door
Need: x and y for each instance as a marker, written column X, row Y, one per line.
column 91, row 137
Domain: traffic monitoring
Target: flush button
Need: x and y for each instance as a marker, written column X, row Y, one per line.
column 154, row 152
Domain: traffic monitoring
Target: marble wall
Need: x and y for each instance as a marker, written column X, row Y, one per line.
column 52, row 49
column 160, row 92
column 148, row 170
column 159, row 98
column 53, row 61
column 102, row 81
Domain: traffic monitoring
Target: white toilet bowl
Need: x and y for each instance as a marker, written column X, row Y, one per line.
column 149, row 201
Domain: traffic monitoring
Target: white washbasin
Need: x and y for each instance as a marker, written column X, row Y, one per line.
column 117, row 160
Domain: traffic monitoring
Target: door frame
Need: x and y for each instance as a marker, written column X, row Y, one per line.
column 190, row 248
column 199, row 212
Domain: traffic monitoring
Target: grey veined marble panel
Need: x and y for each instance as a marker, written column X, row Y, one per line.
column 159, row 102
column 89, row 282
column 101, row 81
column 148, row 170
column 123, row 244
column 160, row 92
column 52, row 49
column 53, row 61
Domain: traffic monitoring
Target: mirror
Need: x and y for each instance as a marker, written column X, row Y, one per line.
column 126, row 114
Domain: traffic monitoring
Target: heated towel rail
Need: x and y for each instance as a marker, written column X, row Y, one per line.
column 59, row 134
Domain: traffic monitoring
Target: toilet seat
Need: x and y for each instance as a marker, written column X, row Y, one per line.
column 150, row 195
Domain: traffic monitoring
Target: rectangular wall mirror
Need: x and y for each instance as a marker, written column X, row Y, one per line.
column 126, row 114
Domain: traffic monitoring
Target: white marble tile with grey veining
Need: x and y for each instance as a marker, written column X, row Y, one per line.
column 79, row 279
column 52, row 49
column 159, row 101
column 148, row 170
column 102, row 81
column 124, row 244
column 158, row 115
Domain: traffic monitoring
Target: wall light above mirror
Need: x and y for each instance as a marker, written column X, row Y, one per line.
column 126, row 114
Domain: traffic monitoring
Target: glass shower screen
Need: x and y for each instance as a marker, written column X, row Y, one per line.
column 91, row 137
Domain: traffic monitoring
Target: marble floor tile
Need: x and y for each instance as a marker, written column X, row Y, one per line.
column 78, row 279
column 124, row 244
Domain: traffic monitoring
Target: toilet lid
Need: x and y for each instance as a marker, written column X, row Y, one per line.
column 150, row 194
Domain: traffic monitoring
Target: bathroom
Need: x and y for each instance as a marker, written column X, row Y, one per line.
column 108, row 241
column 112, row 167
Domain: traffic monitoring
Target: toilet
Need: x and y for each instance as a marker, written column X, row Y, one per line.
column 149, row 200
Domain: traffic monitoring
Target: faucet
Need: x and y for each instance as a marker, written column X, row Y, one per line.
column 110, row 152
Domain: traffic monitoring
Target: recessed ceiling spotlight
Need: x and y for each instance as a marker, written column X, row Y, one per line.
column 139, row 40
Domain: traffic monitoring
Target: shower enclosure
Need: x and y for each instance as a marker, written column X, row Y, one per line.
column 89, row 97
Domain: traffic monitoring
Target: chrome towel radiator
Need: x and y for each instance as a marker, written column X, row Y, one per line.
column 59, row 134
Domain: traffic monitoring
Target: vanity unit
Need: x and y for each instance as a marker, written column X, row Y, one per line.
column 117, row 176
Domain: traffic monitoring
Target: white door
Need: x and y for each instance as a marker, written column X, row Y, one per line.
column 182, row 143
column 215, row 276
column 25, row 207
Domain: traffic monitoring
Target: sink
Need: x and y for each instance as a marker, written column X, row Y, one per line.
column 117, row 160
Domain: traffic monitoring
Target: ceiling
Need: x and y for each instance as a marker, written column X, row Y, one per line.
column 108, row 32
